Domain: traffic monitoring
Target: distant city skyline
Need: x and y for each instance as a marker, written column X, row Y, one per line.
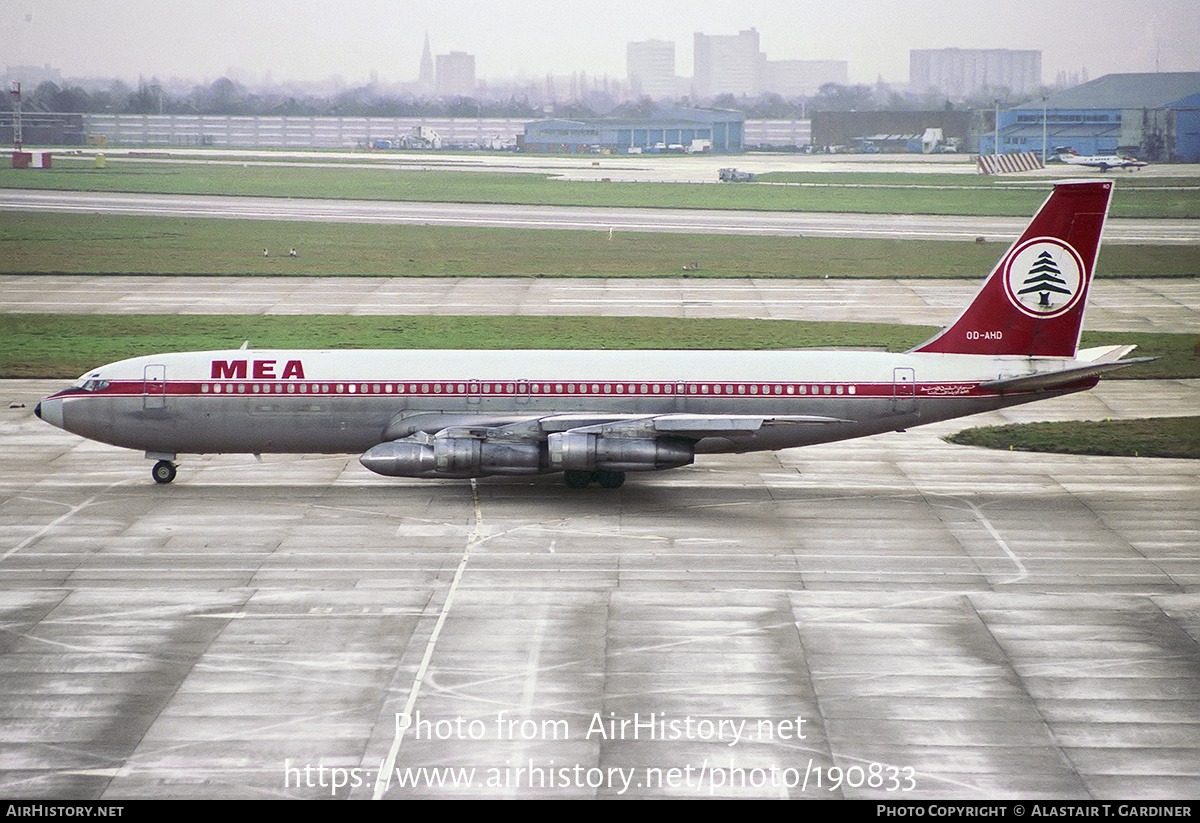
column 358, row 40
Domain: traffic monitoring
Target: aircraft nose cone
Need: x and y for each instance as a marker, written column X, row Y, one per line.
column 400, row 458
column 50, row 410
column 379, row 459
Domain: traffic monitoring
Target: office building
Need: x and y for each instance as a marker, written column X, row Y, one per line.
column 727, row 64
column 650, row 66
column 962, row 73
column 455, row 74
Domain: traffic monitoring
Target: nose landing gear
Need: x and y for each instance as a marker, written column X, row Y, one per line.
column 163, row 471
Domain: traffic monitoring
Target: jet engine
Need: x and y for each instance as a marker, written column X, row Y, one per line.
column 575, row 450
column 425, row 456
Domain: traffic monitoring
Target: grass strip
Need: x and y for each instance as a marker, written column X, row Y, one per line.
column 48, row 345
column 34, row 242
column 1154, row 437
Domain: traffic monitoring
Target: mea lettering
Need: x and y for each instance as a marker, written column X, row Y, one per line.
column 262, row 370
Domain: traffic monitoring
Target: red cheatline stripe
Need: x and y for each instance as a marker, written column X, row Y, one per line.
column 535, row 388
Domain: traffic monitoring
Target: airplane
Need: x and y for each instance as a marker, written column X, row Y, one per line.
column 596, row 415
column 1104, row 162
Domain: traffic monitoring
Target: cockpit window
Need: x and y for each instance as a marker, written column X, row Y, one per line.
column 94, row 385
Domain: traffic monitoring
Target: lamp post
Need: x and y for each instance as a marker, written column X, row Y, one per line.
column 18, row 142
column 996, row 127
column 1043, row 131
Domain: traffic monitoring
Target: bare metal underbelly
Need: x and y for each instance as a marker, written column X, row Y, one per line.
column 336, row 425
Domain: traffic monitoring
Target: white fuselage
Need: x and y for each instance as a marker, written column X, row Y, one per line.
column 345, row 401
column 1104, row 162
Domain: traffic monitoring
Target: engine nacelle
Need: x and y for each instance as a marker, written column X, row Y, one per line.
column 587, row 451
column 425, row 456
column 473, row 456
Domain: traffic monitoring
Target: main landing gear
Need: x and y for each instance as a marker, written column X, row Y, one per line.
column 578, row 479
column 163, row 471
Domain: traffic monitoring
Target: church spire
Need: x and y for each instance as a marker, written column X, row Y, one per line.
column 425, row 77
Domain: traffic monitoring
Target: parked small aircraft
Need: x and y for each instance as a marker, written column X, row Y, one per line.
column 595, row 415
column 1104, row 162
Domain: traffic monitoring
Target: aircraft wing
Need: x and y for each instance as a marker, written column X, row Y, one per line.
column 533, row 428
column 677, row 425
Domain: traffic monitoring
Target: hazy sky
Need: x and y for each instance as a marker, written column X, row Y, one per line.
column 305, row 40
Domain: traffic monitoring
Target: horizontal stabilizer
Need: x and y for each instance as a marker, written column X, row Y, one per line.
column 1066, row 377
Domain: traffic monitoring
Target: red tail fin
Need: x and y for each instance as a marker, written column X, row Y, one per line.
column 1032, row 303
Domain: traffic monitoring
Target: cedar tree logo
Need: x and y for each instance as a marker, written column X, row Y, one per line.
column 1044, row 277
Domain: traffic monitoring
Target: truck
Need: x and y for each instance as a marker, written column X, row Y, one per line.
column 734, row 176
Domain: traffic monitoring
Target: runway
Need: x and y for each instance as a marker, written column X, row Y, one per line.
column 890, row 618
column 689, row 221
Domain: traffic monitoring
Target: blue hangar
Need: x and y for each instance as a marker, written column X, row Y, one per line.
column 1154, row 117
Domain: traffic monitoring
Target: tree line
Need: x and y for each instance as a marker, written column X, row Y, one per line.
column 226, row 97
